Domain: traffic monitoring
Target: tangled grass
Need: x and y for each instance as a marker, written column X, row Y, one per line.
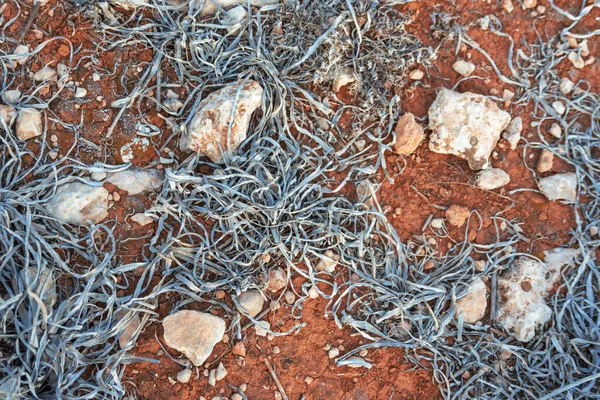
column 277, row 203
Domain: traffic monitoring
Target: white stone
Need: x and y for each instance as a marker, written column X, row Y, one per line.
column 96, row 77
column 333, row 353
column 559, row 107
column 44, row 285
column 566, row 85
column 416, row 75
column 136, row 180
column 251, row 301
column 437, row 223
column 492, row 178
column 129, row 330
column 343, row 77
column 467, row 125
column 576, row 59
column 473, row 304
column 513, row 132
column 80, row 93
column 22, row 51
column 7, row 113
column 529, row 3
column 11, row 96
column 313, row 293
column 277, row 280
column 173, row 105
column 508, row 6
column 184, row 375
column 327, row 262
column 555, row 130
column 508, row 95
column 522, row 309
column 262, row 328
column 193, row 333
column 142, row 219
column 29, row 123
column 79, row 204
column 207, row 133
column 98, row 176
column 212, row 377
column 211, row 8
column 559, row 186
column 290, row 297
column 545, row 161
column 221, row 372
column 46, row 74
column 464, row 68
column 235, row 17
column 172, row 95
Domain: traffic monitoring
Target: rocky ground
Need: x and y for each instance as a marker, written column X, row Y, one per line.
column 475, row 181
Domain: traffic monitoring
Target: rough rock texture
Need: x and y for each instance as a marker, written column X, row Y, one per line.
column 208, row 131
column 142, row 219
column 136, row 180
column 277, row 280
column 29, row 123
column 492, row 178
column 193, row 333
column 7, row 113
column 251, row 301
column 545, row 161
column 129, row 330
column 522, row 290
column 409, row 135
column 327, row 262
column 11, row 96
column 44, row 286
column 211, row 8
column 513, row 132
column 467, row 125
column 457, row 215
column 559, row 186
column 473, row 304
column 342, row 78
column 79, row 204
column 464, row 68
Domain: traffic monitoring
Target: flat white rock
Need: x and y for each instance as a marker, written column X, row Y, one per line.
column 522, row 308
column 492, row 178
column 251, row 301
column 208, row 132
column 29, row 123
column 559, row 186
column 79, row 204
column 467, row 125
column 464, row 68
column 193, row 333
column 136, row 180
column 142, row 219
column 473, row 304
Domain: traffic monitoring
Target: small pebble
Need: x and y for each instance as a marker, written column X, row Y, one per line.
column 437, row 223
column 308, row 380
column 116, row 196
column 80, row 93
column 530, row 3
column 363, row 353
column 333, row 353
column 416, row 75
column 277, row 395
column 171, row 380
column 220, row 294
column 566, row 85
column 96, row 77
column 243, row 387
column 559, row 107
column 276, row 350
column 555, row 130
column 54, row 138
column 184, row 375
column 464, row 68
column 236, row 396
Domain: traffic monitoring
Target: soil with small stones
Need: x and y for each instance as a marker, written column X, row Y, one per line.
column 423, row 184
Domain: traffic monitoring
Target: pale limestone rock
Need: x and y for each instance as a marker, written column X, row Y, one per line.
column 193, row 333
column 513, row 132
column 46, row 74
column 473, row 304
column 136, row 180
column 555, row 130
column 262, row 328
column 184, row 375
column 327, row 262
column 22, row 53
column 566, row 85
column 142, row 219
column 79, row 204
column 559, row 186
column 457, row 215
column 11, row 96
column 492, row 178
column 251, row 301
column 207, row 133
column 29, row 123
column 6, row 114
column 464, row 68
column 277, row 279
column 522, row 309
column 467, row 125
column 545, row 162
column 409, row 135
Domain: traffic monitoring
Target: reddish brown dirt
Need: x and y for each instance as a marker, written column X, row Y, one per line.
column 441, row 180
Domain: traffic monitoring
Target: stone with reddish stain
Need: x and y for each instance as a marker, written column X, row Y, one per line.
column 467, row 125
column 7, row 113
column 251, row 301
column 277, row 280
column 457, row 215
column 79, row 204
column 193, row 333
column 136, row 180
column 29, row 123
column 559, row 186
column 522, row 308
column 473, row 304
column 409, row 135
column 209, row 131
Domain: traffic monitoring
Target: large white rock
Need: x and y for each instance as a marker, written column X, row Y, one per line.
column 472, row 305
column 29, row 123
column 79, row 204
column 207, row 133
column 522, row 308
column 492, row 178
column 193, row 333
column 467, row 125
column 136, row 180
column 559, row 186
column 251, row 301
